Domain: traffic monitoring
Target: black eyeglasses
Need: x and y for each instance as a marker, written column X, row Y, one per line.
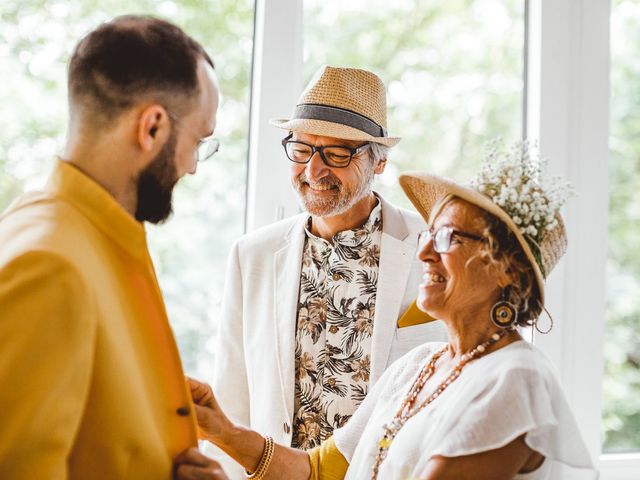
column 207, row 147
column 336, row 156
column 442, row 238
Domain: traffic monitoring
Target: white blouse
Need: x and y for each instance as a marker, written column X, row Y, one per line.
column 497, row 398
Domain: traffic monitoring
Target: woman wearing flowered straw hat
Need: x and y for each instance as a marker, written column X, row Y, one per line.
column 487, row 403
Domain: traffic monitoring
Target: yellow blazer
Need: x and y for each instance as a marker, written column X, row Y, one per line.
column 91, row 384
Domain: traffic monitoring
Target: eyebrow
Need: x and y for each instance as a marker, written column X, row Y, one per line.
column 450, row 225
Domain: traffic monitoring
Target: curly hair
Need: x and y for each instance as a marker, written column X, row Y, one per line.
column 502, row 250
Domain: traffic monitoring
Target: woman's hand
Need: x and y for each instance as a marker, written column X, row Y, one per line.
column 241, row 443
column 193, row 465
column 211, row 419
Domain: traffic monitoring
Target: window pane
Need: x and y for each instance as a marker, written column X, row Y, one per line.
column 453, row 70
column 621, row 414
column 36, row 40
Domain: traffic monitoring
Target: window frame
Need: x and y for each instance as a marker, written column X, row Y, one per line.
column 567, row 112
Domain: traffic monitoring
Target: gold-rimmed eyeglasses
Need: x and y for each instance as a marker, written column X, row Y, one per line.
column 442, row 238
column 207, row 146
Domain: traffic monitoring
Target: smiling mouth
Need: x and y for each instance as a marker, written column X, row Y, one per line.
column 433, row 279
column 319, row 187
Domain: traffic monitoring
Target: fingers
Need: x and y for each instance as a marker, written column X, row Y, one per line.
column 200, row 392
column 193, row 465
column 192, row 456
column 190, row 472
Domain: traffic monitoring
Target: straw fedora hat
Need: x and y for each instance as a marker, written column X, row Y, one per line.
column 346, row 103
column 426, row 190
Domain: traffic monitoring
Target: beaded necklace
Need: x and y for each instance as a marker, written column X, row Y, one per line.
column 408, row 408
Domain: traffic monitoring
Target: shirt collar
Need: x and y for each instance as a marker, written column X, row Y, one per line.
column 350, row 237
column 98, row 205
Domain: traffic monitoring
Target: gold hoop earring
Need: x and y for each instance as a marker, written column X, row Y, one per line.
column 535, row 324
column 504, row 313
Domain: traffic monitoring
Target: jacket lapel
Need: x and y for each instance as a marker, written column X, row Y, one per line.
column 286, row 276
column 397, row 252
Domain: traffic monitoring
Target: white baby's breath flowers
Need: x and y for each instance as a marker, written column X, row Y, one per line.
column 515, row 180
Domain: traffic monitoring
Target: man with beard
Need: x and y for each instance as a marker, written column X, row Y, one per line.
column 318, row 305
column 91, row 381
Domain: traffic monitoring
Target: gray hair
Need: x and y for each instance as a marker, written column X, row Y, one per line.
column 378, row 152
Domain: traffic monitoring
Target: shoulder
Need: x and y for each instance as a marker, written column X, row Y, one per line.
column 413, row 221
column 524, row 355
column 518, row 363
column 404, row 368
column 273, row 234
column 41, row 275
column 37, row 224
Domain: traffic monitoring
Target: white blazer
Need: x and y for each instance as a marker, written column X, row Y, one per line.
column 254, row 379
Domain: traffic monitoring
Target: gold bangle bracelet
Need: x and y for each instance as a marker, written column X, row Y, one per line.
column 265, row 461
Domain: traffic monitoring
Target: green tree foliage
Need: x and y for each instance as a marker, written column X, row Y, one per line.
column 454, row 74
column 453, row 68
column 36, row 41
column 621, row 412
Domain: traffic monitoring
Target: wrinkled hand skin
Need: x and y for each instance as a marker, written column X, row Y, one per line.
column 211, row 419
column 193, row 465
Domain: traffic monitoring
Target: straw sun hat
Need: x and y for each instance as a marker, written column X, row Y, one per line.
column 543, row 241
column 346, row 103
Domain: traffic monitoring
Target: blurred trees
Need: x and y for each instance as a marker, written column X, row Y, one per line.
column 621, row 412
column 453, row 69
column 36, row 41
column 454, row 74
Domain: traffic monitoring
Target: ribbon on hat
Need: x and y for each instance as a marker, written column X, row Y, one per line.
column 309, row 111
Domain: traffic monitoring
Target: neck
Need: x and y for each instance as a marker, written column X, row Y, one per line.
column 356, row 216
column 468, row 331
column 105, row 165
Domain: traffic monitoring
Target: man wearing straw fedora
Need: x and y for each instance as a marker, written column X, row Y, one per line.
column 317, row 306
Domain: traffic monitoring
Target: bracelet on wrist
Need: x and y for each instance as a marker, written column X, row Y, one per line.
column 265, row 461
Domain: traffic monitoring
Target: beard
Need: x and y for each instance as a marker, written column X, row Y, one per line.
column 155, row 185
column 342, row 198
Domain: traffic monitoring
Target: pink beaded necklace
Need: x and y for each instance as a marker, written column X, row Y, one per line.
column 408, row 408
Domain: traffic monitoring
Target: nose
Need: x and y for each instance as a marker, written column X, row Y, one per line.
column 316, row 168
column 427, row 253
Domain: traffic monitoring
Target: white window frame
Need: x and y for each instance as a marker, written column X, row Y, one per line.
column 276, row 85
column 567, row 112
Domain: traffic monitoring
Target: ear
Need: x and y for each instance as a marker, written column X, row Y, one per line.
column 154, row 127
column 379, row 167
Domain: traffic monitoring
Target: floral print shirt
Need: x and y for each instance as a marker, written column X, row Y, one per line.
column 336, row 307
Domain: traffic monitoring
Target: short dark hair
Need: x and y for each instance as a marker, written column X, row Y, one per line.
column 132, row 57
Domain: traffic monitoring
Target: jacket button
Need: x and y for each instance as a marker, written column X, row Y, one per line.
column 287, row 428
column 183, row 411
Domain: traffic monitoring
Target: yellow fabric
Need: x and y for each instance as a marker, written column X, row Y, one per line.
column 327, row 463
column 414, row 316
column 90, row 373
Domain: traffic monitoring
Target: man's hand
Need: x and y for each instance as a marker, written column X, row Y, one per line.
column 193, row 465
column 211, row 419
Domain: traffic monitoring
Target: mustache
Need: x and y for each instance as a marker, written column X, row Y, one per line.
column 329, row 181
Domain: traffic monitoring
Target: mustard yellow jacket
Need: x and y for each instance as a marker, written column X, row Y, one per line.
column 91, row 385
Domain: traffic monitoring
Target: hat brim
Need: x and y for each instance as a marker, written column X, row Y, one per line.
column 330, row 129
column 426, row 190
